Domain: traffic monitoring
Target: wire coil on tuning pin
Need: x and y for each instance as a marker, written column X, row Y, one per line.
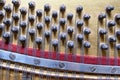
column 16, row 3
column 79, row 9
column 39, row 13
column 15, row 16
column 109, row 8
column 6, row 37
column 111, row 24
column 31, row 5
column 22, row 40
column 104, row 46
column 62, row 8
column 23, row 10
column 101, row 16
column 8, row 8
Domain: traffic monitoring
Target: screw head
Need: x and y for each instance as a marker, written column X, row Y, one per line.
column 93, row 68
column 12, row 56
column 61, row 65
column 36, row 61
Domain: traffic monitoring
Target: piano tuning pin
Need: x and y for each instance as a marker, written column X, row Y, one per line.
column 47, row 20
column 39, row 26
column 7, row 22
column 111, row 23
column 55, row 43
column 16, row 3
column 63, row 36
column 102, row 16
column 15, row 29
column 22, row 39
column 15, row 16
column 1, row 27
column 54, row 14
column 87, row 31
column 104, row 46
column 6, row 36
column 87, row 44
column 32, row 31
column 62, row 21
column 38, row 40
column 70, row 30
column 31, row 5
column 8, row 8
column 80, row 23
column 2, row 14
column 54, row 28
column 39, row 13
column 31, row 18
column 2, row 2
column 47, row 7
column 70, row 44
column 109, row 8
column 23, row 24
column 102, row 31
column 118, row 46
column 70, row 16
column 79, row 37
column 23, row 11
column 47, row 34
column 112, row 39
column 86, row 16
column 117, row 17
column 118, row 33
column 62, row 8
column 79, row 9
